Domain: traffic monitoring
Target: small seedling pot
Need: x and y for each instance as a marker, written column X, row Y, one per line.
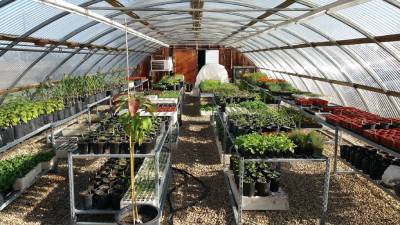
column 274, row 186
column 262, row 189
column 19, row 131
column 249, row 189
column 114, row 147
column 83, row 147
column 87, row 199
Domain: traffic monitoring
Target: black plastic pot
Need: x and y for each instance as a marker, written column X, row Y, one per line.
column 114, row 147
column 87, row 199
column 148, row 146
column 344, row 150
column 101, row 199
column 115, row 199
column 72, row 110
column 83, row 147
column 98, row 147
column 78, row 106
column 397, row 189
column 67, row 112
column 7, row 135
column 358, row 157
column 48, row 118
column 150, row 214
column 19, row 131
column 262, row 189
column 249, row 189
column 60, row 115
column 274, row 186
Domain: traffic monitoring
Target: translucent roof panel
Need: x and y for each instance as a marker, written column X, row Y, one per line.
column 21, row 16
column 369, row 17
column 333, row 28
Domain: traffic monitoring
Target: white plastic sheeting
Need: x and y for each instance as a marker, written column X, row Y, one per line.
column 212, row 71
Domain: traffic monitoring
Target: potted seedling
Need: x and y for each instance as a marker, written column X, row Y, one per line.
column 274, row 176
column 249, row 186
column 136, row 127
column 87, row 196
column 262, row 184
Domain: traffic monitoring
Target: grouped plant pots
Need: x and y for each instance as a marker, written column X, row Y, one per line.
column 6, row 135
column 249, row 189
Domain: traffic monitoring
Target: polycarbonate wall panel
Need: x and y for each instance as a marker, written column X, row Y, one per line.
column 354, row 70
column 333, row 28
column 42, row 68
column 110, row 64
column 308, row 66
column 68, row 66
column 329, row 92
column 12, row 64
column 377, row 17
column 328, row 69
column 351, row 96
column 62, row 27
column 296, row 66
column 379, row 104
column 383, row 65
column 85, row 66
column 305, row 33
column 21, row 16
column 299, row 83
column 89, row 33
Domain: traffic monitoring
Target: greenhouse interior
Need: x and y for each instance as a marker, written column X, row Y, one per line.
column 212, row 112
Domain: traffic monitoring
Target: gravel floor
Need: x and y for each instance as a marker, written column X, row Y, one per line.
column 353, row 200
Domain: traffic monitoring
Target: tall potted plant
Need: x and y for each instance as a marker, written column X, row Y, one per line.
column 136, row 127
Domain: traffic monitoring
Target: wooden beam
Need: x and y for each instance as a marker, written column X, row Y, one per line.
column 116, row 4
column 70, row 44
column 338, row 82
column 356, row 41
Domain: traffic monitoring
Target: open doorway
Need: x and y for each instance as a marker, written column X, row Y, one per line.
column 201, row 59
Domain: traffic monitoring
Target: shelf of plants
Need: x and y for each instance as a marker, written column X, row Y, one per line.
column 24, row 117
column 153, row 152
column 255, row 133
column 383, row 134
column 277, row 198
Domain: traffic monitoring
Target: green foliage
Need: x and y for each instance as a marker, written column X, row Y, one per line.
column 259, row 145
column 169, row 94
column 18, row 166
column 169, row 81
column 208, row 107
column 307, row 141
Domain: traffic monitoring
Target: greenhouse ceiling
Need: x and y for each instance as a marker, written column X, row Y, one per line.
column 349, row 50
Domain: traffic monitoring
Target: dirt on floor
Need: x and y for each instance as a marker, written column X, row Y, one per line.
column 353, row 200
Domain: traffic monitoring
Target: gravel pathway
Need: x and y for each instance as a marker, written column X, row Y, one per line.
column 197, row 155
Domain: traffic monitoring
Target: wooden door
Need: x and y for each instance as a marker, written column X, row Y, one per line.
column 186, row 64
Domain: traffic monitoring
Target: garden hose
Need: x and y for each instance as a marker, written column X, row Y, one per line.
column 203, row 195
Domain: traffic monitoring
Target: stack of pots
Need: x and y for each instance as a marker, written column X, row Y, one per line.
column 368, row 159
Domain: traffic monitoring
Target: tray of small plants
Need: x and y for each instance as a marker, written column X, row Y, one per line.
column 172, row 83
column 110, row 138
column 145, row 180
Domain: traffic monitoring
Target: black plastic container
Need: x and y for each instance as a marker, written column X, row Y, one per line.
column 262, row 188
column 274, row 186
column 249, row 189
column 83, row 147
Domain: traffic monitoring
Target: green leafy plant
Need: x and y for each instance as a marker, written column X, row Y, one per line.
column 255, row 144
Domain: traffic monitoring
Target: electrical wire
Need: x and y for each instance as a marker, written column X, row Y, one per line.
column 186, row 176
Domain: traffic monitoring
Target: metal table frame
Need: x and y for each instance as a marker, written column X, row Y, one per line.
column 237, row 208
column 72, row 155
